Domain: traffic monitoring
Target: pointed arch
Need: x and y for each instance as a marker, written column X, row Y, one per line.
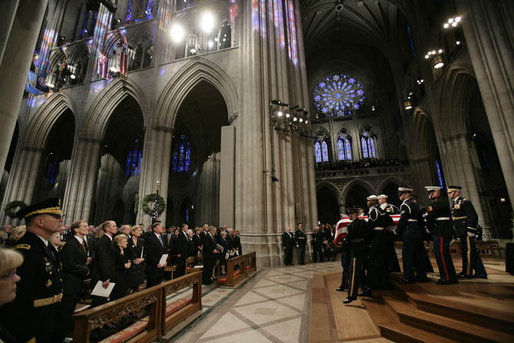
column 197, row 70
column 457, row 88
column 332, row 187
column 44, row 119
column 391, row 179
column 97, row 118
column 357, row 182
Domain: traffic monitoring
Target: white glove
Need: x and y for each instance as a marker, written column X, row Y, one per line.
column 471, row 234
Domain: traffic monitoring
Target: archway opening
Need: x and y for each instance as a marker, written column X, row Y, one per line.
column 56, row 158
column 120, row 165
column 194, row 168
column 328, row 205
column 356, row 197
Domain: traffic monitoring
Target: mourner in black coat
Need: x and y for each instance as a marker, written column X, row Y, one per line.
column 209, row 255
column 155, row 247
column 75, row 269
column 181, row 250
column 135, row 251
column 288, row 246
column 105, row 254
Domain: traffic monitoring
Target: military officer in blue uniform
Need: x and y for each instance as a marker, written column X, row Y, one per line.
column 465, row 221
column 34, row 315
column 412, row 237
column 439, row 224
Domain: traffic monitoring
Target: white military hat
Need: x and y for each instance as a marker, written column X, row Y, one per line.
column 382, row 196
column 432, row 188
column 372, row 197
column 405, row 190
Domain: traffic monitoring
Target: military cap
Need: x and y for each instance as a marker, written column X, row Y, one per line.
column 454, row 188
column 432, row 188
column 382, row 196
column 50, row 206
column 372, row 197
column 405, row 190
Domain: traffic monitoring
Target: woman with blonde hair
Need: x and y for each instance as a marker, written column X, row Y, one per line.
column 121, row 264
column 16, row 234
column 9, row 261
column 135, row 252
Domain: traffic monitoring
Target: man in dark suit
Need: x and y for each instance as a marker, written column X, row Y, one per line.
column 104, row 268
column 301, row 242
column 182, row 250
column 209, row 255
column 155, row 247
column 90, row 239
column 75, row 269
column 288, row 246
column 34, row 315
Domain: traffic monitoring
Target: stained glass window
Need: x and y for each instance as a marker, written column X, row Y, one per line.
column 321, row 149
column 439, row 173
column 344, row 148
column 317, row 151
column 368, row 145
column 133, row 162
column 52, row 169
column 181, row 158
column 411, row 41
column 338, row 95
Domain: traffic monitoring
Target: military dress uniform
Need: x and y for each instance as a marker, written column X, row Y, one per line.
column 465, row 221
column 33, row 315
column 412, row 237
column 301, row 242
column 387, row 210
column 356, row 239
column 378, row 276
column 439, row 224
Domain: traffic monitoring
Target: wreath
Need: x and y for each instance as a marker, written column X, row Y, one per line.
column 13, row 207
column 149, row 201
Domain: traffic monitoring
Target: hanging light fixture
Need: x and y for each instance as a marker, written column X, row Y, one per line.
column 437, row 61
column 407, row 104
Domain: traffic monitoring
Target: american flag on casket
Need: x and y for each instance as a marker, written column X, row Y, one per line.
column 342, row 225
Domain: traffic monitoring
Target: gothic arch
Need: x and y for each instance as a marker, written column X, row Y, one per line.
column 346, row 189
column 332, row 187
column 391, row 179
column 456, row 91
column 197, row 70
column 97, row 118
column 43, row 120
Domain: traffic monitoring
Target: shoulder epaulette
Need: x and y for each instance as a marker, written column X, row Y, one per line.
column 22, row 246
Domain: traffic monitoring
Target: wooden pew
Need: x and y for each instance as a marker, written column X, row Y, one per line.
column 247, row 267
column 161, row 315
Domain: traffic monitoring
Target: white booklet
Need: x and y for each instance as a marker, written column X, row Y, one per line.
column 100, row 291
column 163, row 259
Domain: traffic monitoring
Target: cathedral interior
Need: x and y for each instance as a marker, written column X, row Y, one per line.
column 256, row 114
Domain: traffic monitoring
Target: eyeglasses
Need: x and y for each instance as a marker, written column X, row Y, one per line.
column 11, row 275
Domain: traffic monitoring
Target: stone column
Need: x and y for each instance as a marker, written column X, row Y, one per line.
column 7, row 14
column 459, row 170
column 155, row 167
column 15, row 65
column 489, row 40
column 23, row 178
column 81, row 185
column 209, row 200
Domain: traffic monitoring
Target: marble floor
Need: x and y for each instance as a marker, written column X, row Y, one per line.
column 273, row 306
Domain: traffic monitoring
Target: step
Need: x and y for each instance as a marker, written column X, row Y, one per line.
column 477, row 315
column 444, row 326
column 391, row 328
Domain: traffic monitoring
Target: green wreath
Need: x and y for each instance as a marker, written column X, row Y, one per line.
column 148, row 203
column 13, row 207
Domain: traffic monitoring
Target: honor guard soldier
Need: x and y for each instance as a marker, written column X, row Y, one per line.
column 412, row 237
column 377, row 277
column 301, row 242
column 358, row 230
column 34, row 315
column 439, row 224
column 386, row 210
column 465, row 221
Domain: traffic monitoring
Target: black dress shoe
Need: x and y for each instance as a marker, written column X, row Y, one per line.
column 404, row 280
column 340, row 289
column 480, row 276
column 366, row 293
column 349, row 300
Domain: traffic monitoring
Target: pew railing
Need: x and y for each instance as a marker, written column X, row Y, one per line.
column 251, row 263
column 239, row 268
column 159, row 319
